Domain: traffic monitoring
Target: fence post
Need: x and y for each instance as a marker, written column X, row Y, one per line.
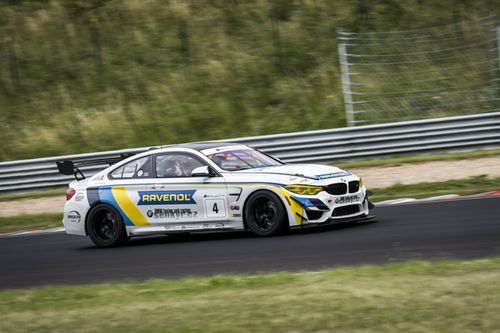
column 346, row 81
column 498, row 48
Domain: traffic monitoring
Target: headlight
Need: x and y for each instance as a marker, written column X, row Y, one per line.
column 360, row 182
column 304, row 189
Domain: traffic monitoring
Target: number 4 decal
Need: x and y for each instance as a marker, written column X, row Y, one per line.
column 215, row 208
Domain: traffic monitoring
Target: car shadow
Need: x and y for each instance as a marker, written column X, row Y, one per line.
column 206, row 236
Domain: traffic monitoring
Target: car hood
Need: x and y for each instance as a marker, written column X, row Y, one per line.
column 309, row 171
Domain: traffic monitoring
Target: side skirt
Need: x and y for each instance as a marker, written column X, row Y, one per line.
column 183, row 227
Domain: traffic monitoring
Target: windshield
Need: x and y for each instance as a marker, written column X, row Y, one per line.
column 241, row 159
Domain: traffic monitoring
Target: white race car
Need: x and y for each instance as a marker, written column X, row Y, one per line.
column 207, row 186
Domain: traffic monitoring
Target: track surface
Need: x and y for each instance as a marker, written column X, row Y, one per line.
column 449, row 229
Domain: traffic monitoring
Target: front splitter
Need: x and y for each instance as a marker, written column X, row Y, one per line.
column 354, row 219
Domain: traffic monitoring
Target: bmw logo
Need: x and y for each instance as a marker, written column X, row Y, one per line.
column 150, row 213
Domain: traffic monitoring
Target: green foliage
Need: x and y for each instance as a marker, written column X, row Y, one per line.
column 53, row 192
column 79, row 76
column 28, row 222
column 419, row 296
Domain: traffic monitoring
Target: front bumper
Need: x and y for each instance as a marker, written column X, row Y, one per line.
column 324, row 207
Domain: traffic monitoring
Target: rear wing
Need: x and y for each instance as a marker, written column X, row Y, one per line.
column 68, row 167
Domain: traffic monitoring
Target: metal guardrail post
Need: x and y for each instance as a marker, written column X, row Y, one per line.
column 346, row 81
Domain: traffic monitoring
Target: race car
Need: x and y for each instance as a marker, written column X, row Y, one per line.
column 208, row 186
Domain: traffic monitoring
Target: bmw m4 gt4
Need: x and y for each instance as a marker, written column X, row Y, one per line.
column 206, row 187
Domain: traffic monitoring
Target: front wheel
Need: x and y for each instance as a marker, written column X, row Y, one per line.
column 105, row 226
column 265, row 214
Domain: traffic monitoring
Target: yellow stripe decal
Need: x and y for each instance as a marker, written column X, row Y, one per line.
column 294, row 205
column 127, row 206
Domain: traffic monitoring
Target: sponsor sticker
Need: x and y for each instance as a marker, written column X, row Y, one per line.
column 73, row 217
column 79, row 196
column 234, row 207
column 222, row 149
column 175, row 197
column 214, row 195
column 196, row 226
column 332, row 175
column 175, row 213
column 348, row 199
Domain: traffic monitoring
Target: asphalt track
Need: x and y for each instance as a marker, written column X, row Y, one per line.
column 467, row 228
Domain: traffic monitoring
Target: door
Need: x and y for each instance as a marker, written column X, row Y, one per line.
column 178, row 198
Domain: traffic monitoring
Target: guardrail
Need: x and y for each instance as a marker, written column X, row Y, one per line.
column 322, row 146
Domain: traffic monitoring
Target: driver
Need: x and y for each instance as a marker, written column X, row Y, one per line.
column 179, row 168
column 175, row 168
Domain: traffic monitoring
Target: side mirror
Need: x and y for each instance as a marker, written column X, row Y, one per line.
column 203, row 171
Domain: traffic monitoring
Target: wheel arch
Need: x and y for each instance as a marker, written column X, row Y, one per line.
column 92, row 206
column 287, row 202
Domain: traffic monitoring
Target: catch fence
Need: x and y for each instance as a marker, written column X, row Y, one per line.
column 419, row 74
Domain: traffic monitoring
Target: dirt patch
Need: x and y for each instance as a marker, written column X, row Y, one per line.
column 373, row 177
column 33, row 206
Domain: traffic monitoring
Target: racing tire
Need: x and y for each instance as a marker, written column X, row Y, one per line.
column 105, row 226
column 265, row 214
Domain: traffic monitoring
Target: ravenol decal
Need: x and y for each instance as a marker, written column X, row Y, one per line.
column 176, row 197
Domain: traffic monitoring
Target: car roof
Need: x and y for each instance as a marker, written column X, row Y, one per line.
column 204, row 145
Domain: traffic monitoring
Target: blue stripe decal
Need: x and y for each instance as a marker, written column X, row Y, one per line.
column 106, row 196
column 93, row 195
column 316, row 177
column 282, row 174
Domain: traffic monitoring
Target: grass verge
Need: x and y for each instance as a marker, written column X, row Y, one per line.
column 465, row 186
column 399, row 160
column 60, row 191
column 438, row 296
column 28, row 222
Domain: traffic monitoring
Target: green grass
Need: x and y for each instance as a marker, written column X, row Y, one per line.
column 414, row 159
column 28, row 222
column 61, row 192
column 436, row 296
column 465, row 186
column 115, row 74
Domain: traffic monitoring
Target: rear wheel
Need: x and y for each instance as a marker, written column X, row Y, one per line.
column 105, row 226
column 265, row 214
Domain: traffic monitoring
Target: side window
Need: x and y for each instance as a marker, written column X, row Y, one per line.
column 139, row 168
column 176, row 165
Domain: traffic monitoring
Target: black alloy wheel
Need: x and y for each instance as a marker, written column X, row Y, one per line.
column 265, row 214
column 105, row 226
